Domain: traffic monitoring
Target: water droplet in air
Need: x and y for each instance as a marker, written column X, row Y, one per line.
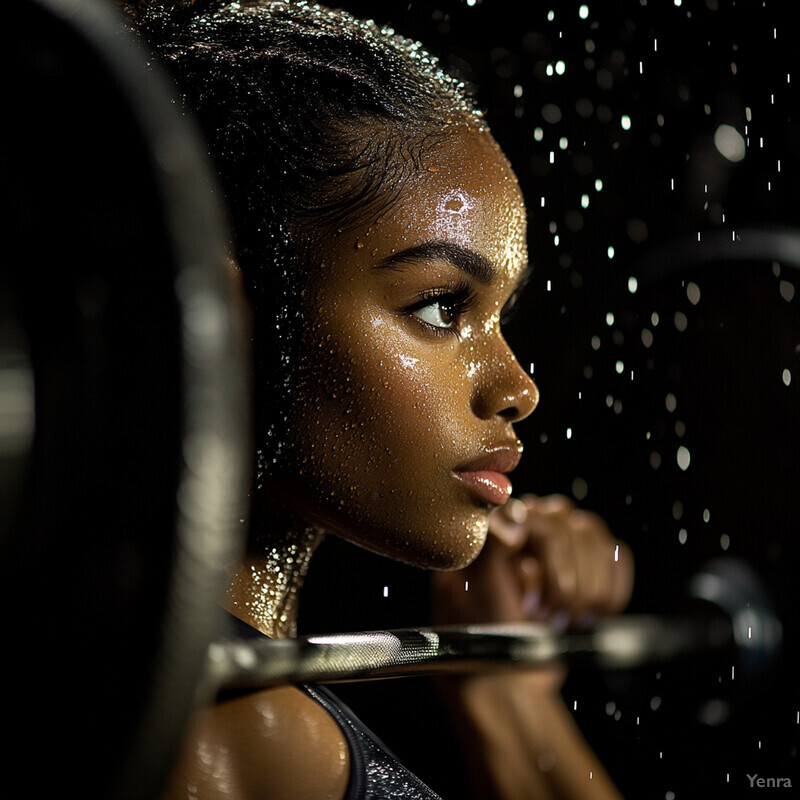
column 655, row 702
column 730, row 143
column 787, row 291
column 579, row 489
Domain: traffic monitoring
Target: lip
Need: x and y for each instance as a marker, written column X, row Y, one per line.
column 487, row 475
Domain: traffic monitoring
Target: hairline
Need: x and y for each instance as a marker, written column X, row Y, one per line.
column 404, row 149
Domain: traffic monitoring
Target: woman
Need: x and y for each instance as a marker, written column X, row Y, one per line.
column 380, row 234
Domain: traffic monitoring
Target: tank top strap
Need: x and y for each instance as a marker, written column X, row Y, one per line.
column 375, row 772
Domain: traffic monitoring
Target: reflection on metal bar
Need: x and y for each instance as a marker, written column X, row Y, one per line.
column 623, row 642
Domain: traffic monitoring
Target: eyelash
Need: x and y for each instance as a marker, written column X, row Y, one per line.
column 509, row 309
column 457, row 300
column 512, row 304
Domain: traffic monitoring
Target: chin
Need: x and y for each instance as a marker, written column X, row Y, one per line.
column 441, row 547
column 437, row 532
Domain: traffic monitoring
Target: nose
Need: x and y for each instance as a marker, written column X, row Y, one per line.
column 503, row 387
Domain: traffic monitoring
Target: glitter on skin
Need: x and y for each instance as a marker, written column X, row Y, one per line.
column 267, row 590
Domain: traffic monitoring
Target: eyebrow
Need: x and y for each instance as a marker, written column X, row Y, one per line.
column 468, row 261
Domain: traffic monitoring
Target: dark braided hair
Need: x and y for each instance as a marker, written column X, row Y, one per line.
column 313, row 120
column 312, row 117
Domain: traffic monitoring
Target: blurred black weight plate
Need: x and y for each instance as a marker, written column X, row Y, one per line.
column 124, row 421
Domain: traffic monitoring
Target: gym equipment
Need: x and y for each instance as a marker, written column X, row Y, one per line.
column 124, row 441
column 729, row 622
column 124, row 418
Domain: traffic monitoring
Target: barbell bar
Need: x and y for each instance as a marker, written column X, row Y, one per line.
column 730, row 615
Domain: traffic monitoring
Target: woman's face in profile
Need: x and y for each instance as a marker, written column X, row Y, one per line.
column 402, row 427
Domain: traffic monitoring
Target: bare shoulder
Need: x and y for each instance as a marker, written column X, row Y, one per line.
column 276, row 744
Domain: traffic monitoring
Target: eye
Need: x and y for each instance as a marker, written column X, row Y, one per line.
column 441, row 309
column 438, row 314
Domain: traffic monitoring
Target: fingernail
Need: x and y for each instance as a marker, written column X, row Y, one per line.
column 511, row 534
column 516, row 510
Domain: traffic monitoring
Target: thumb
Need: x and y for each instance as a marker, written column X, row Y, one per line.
column 506, row 525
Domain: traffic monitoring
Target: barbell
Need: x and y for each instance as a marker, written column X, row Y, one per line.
column 124, row 444
column 728, row 621
column 124, row 416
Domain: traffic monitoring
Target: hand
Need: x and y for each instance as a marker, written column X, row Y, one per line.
column 544, row 560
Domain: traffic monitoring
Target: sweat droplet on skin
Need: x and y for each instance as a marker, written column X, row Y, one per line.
column 408, row 362
column 491, row 323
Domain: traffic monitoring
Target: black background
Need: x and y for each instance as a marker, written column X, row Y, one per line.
column 621, row 394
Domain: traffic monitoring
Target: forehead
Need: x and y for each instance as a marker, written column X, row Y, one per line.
column 463, row 192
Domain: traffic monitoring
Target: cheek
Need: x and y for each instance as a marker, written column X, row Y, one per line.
column 382, row 396
column 423, row 390
column 379, row 427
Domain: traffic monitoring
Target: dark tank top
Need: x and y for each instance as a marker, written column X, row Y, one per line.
column 375, row 773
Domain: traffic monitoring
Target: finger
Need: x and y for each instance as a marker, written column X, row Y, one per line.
column 511, row 534
column 545, row 517
column 605, row 575
column 540, row 526
column 591, row 569
column 549, row 504
column 604, row 565
column 531, row 580
column 622, row 576
column 559, row 576
column 514, row 510
column 547, row 526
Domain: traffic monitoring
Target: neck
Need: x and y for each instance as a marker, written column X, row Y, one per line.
column 264, row 590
